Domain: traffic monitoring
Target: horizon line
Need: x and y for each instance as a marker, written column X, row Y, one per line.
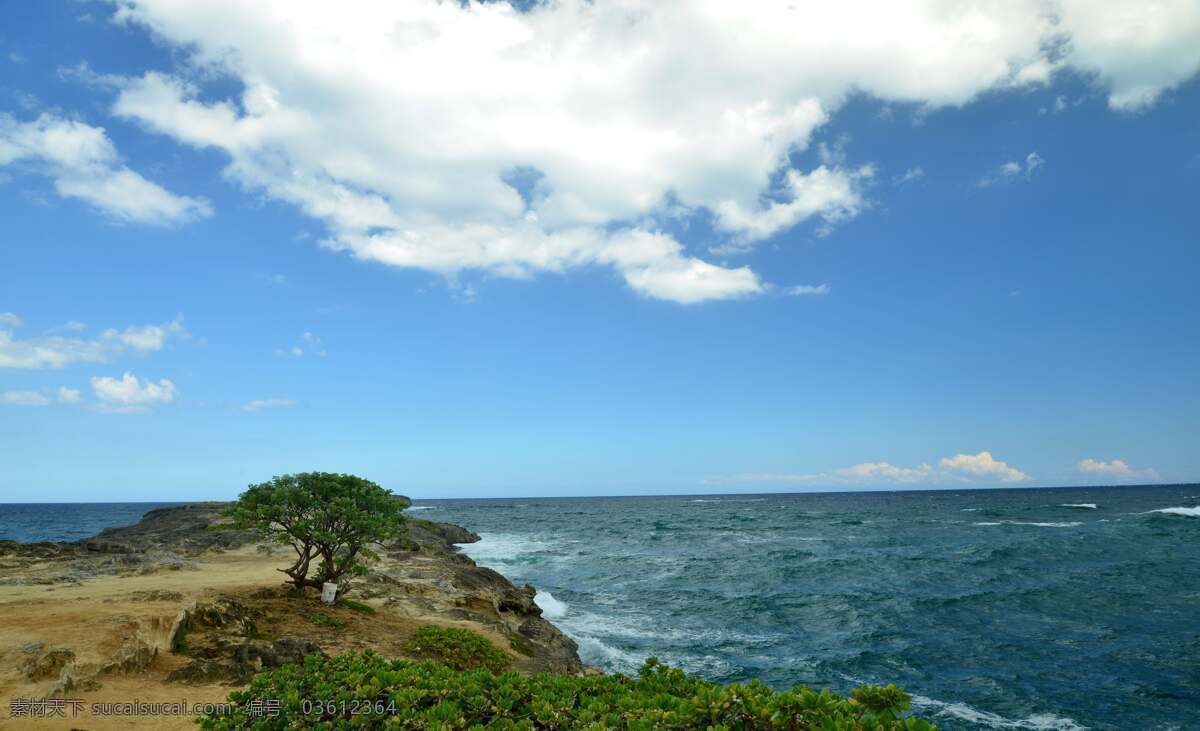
column 660, row 495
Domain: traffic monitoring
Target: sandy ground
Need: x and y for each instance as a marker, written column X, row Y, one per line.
column 100, row 617
column 95, row 618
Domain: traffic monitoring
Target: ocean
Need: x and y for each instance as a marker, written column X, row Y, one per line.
column 1000, row 609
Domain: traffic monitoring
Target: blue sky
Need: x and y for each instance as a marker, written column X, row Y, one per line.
column 229, row 256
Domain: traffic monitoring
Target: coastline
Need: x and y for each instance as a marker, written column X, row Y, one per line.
column 170, row 609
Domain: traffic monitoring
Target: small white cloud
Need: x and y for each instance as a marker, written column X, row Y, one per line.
column 808, row 290
column 309, row 345
column 84, row 164
column 147, row 337
column 1012, row 170
column 56, row 351
column 981, row 467
column 68, row 395
column 130, row 394
column 911, row 175
column 268, row 403
column 1117, row 469
column 23, row 398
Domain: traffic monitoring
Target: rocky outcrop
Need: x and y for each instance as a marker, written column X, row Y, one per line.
column 245, row 660
column 226, row 636
column 47, row 663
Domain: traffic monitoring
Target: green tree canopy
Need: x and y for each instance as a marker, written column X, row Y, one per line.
column 326, row 517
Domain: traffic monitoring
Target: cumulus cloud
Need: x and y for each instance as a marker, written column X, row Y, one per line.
column 268, row 403
column 84, row 165
column 1137, row 49
column 131, row 394
column 68, row 395
column 1013, row 170
column 981, row 467
column 57, row 351
column 454, row 136
column 1117, row 469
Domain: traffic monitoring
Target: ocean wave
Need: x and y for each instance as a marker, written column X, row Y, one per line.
column 420, row 507
column 1039, row 721
column 969, row 510
column 715, row 500
column 595, row 652
column 1193, row 512
column 505, row 549
column 1092, row 506
column 551, row 608
column 1069, row 524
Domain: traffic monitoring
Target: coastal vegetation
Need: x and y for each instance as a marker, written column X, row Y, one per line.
column 461, row 649
column 367, row 691
column 326, row 517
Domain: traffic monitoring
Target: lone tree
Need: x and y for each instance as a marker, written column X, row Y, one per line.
column 324, row 516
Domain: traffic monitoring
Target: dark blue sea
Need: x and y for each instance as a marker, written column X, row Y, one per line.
column 1005, row 609
column 29, row 522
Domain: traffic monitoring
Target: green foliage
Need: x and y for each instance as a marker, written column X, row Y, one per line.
column 324, row 620
column 369, row 692
column 461, row 649
column 325, row 517
column 361, row 607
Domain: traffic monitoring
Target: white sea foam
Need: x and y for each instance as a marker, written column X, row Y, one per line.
column 1038, row 721
column 969, row 510
column 700, row 500
column 496, row 550
column 595, row 652
column 1092, row 506
column 420, row 507
column 1193, row 512
column 1070, row 524
column 551, row 608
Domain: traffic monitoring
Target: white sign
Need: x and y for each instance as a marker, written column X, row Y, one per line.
column 329, row 592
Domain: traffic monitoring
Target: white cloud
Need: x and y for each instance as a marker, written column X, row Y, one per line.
column 268, row 403
column 130, row 394
column 911, row 175
column 1116, row 469
column 1136, row 49
column 1012, row 170
column 981, row 467
column 23, row 398
column 63, row 395
column 801, row 290
column 56, row 351
column 309, row 344
column 84, row 164
column 398, row 124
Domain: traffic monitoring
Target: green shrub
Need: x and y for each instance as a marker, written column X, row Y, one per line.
column 369, row 692
column 324, row 620
column 361, row 607
column 461, row 649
